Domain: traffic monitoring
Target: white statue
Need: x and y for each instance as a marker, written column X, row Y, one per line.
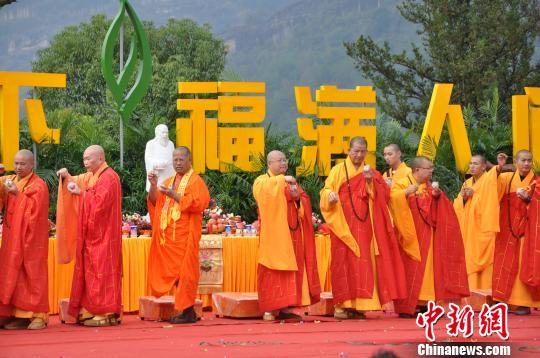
column 158, row 155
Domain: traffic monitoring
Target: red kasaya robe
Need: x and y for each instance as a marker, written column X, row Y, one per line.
column 530, row 271
column 519, row 227
column 97, row 277
column 434, row 219
column 352, row 276
column 279, row 289
column 174, row 253
column 25, row 247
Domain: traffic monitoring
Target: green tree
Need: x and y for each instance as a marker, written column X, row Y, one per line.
column 476, row 45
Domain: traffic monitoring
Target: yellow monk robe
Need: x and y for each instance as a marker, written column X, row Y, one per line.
column 396, row 175
column 176, row 232
column 286, row 229
column 366, row 268
column 507, row 267
column 432, row 246
column 479, row 223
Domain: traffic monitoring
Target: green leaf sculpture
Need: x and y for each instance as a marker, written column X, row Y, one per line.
column 139, row 56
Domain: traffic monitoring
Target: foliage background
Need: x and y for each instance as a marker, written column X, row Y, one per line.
column 185, row 51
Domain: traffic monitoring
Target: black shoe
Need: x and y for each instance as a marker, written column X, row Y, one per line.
column 522, row 311
column 406, row 315
column 288, row 316
column 187, row 316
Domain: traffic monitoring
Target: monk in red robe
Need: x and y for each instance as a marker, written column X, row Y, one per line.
column 516, row 272
column 24, row 198
column 287, row 273
column 430, row 240
column 89, row 227
column 175, row 209
column 366, row 268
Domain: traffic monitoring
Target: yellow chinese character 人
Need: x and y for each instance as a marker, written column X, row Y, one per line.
column 347, row 112
column 222, row 141
column 526, row 121
column 440, row 111
column 10, row 82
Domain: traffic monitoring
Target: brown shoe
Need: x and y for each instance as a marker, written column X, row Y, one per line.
column 107, row 321
column 18, row 323
column 37, row 323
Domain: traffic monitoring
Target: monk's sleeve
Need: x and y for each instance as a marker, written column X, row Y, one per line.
column 403, row 219
column 502, row 184
column 275, row 244
column 459, row 206
column 333, row 213
column 197, row 198
column 28, row 205
column 67, row 215
column 488, row 206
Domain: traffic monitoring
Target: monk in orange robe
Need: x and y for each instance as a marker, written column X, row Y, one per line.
column 89, row 228
column 24, row 198
column 175, row 209
column 287, row 273
column 397, row 169
column 366, row 267
column 477, row 209
column 430, row 240
column 515, row 269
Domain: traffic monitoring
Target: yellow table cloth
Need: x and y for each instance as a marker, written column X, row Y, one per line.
column 239, row 269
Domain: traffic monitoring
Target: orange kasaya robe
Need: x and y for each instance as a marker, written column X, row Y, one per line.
column 479, row 222
column 366, row 267
column 89, row 227
column 431, row 246
column 287, row 263
column 176, row 232
column 515, row 271
column 25, row 246
column 396, row 175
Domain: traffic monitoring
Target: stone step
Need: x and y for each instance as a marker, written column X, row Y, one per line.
column 478, row 298
column 162, row 309
column 65, row 317
column 237, row 304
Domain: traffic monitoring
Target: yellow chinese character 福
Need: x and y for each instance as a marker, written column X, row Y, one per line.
column 215, row 143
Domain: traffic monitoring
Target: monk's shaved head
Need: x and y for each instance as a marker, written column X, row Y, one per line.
column 95, row 149
column 358, row 140
column 183, row 151
column 524, row 161
column 277, row 162
column 24, row 163
column 394, row 147
column 272, row 155
column 523, row 152
column 181, row 157
column 25, row 154
column 93, row 158
column 480, row 157
column 420, row 162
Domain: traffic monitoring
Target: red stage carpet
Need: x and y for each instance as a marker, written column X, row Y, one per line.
column 213, row 337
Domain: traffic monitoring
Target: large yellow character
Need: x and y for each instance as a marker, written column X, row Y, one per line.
column 221, row 147
column 440, row 111
column 344, row 122
column 526, row 122
column 10, row 82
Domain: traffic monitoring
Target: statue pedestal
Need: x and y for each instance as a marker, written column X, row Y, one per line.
column 237, row 304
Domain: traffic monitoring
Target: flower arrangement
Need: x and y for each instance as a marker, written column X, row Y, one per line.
column 215, row 220
column 136, row 219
